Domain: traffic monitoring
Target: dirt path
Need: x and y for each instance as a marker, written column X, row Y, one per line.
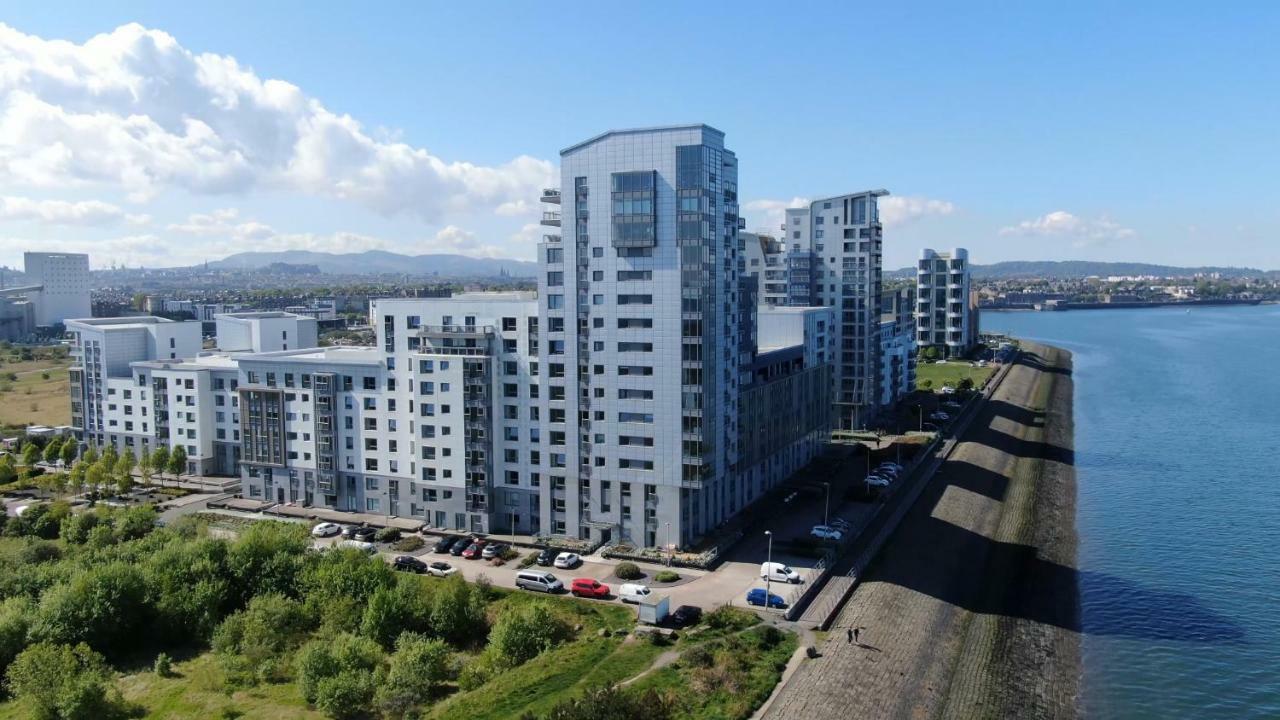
column 972, row 610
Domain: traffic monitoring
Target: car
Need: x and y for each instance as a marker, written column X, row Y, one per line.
column 362, row 546
column 547, row 556
column 939, row 415
column 348, row 531
column 929, row 427
column 756, row 596
column 887, row 471
column 874, row 477
column 440, row 568
column 326, row 529
column 444, row 544
column 459, row 546
column 566, row 560
column 364, row 534
column 875, row 481
column 409, row 563
column 947, row 390
column 538, row 580
column 588, row 588
column 778, row 572
column 840, row 524
column 893, row 465
column 950, row 405
column 633, row 592
column 493, row 550
column 474, row 550
column 826, row 532
column 686, row 615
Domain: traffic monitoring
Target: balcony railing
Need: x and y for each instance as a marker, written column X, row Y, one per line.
column 551, row 195
column 551, row 218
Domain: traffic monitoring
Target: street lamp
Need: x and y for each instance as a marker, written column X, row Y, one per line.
column 826, row 503
column 513, row 527
column 667, row 538
column 768, row 569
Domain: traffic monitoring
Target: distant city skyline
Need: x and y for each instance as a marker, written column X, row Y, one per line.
column 1087, row 132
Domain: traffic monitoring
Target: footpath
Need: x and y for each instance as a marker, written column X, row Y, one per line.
column 971, row 609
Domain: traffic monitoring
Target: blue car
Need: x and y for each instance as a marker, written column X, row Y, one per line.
column 756, row 597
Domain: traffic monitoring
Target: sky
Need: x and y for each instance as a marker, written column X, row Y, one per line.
column 164, row 134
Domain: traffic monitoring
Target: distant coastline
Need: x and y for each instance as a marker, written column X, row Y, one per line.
column 1063, row 306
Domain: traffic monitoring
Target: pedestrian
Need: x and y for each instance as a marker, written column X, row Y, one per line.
column 855, row 632
column 849, row 635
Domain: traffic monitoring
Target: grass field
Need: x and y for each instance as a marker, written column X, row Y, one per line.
column 27, row 397
column 950, row 373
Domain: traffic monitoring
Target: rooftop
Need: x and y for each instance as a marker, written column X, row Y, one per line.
column 637, row 131
column 341, row 355
column 133, row 321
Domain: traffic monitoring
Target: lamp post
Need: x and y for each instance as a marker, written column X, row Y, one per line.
column 768, row 569
column 667, row 538
column 826, row 503
column 513, row 527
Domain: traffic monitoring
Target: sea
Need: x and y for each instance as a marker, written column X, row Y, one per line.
column 1177, row 439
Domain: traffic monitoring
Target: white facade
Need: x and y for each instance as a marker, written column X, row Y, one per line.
column 265, row 331
column 65, row 282
column 945, row 317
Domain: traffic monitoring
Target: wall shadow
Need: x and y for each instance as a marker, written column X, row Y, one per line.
column 1036, row 362
column 973, row 478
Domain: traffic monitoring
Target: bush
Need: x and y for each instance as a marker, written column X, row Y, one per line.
column 409, row 544
column 522, row 633
column 666, row 576
column 387, row 535
column 337, row 675
column 529, row 559
column 61, row 681
column 628, row 571
column 163, row 665
column 698, row 656
column 509, row 553
column 731, row 618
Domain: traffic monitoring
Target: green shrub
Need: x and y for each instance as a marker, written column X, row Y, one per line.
column 529, row 559
column 409, row 544
column 163, row 665
column 628, row 571
column 666, row 576
column 698, row 656
column 509, row 553
column 387, row 535
column 732, row 618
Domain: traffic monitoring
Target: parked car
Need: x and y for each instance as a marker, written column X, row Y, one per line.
column 493, row 550
column 756, row 596
column 589, row 588
column 686, row 615
column 440, row 568
column 778, row 572
column 459, row 546
column 826, row 532
column 633, row 592
column 409, row 563
column 538, row 580
column 939, row 416
column 947, row 390
column 349, row 531
column 840, row 524
column 547, row 556
column 360, row 545
column 474, row 550
column 887, row 471
column 364, row 534
column 444, row 544
column 326, row 529
column 566, row 560
column 876, row 481
column 929, row 427
column 893, row 465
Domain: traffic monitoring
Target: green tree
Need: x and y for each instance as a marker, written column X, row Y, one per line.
column 126, row 463
column 51, row 451
column 418, row 667
column 90, row 455
column 8, row 470
column 177, row 461
column 63, row 682
column 30, row 454
column 145, row 469
column 104, row 606
column 160, row 460
column 267, row 558
column 97, row 475
column 250, row 642
column 522, row 633
column 76, row 477
column 457, row 611
column 391, row 611
column 337, row 675
column 15, row 620
column 68, row 451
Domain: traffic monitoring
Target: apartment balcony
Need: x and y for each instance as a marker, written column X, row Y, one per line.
column 551, row 195
column 551, row 238
column 551, row 219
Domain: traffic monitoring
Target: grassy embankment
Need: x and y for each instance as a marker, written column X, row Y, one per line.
column 34, row 387
column 950, row 373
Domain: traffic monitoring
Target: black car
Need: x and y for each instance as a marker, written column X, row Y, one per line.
column 459, row 545
column 364, row 534
column 686, row 615
column 444, row 544
column 349, row 531
column 409, row 563
column 547, row 556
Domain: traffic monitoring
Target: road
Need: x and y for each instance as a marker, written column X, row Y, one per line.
column 972, row 609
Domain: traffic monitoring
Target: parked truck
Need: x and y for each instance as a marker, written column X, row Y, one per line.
column 653, row 609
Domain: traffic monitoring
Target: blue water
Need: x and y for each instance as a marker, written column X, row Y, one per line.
column 1178, row 464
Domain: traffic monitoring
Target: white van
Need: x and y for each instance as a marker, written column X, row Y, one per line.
column 360, row 545
column 777, row 572
column 633, row 592
column 538, row 580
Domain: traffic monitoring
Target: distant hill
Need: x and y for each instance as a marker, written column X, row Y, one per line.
column 379, row 262
column 1071, row 269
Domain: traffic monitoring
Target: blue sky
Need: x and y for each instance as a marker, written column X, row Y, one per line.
column 1021, row 131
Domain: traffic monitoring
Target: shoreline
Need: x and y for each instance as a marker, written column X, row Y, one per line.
column 972, row 608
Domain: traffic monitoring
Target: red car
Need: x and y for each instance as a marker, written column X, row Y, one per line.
column 589, row 588
column 473, row 550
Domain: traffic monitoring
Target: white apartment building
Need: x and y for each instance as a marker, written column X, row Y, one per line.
column 64, row 285
column 897, row 346
column 267, row 331
column 946, row 315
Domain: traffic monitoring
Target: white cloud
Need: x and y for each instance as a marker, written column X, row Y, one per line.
column 455, row 240
column 1081, row 231
column 896, row 211
column 62, row 212
column 134, row 110
column 767, row 216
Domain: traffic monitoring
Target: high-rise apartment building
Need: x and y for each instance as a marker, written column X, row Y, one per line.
column 64, row 282
column 834, row 259
column 946, row 312
column 897, row 345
